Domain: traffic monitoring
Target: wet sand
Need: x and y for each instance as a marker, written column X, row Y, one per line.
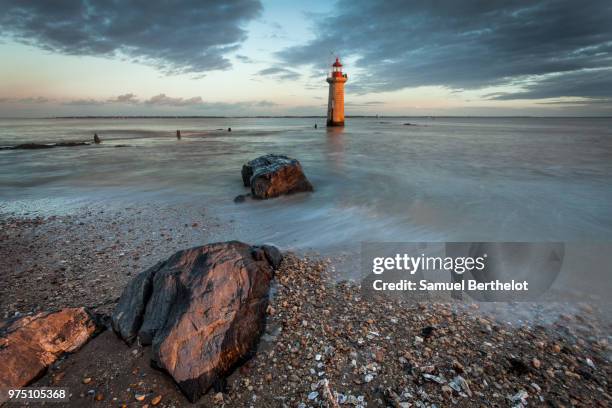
column 324, row 345
column 85, row 259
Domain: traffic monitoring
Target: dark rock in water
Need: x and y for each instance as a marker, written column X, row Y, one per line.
column 273, row 175
column 30, row 344
column 229, row 129
column 121, row 145
column 409, row 124
column 71, row 144
column 241, row 198
column 178, row 134
column 202, row 309
column 97, row 139
column 35, row 146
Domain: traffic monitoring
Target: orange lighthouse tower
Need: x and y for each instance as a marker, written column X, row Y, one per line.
column 335, row 104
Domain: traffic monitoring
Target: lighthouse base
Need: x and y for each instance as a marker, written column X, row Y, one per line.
column 331, row 123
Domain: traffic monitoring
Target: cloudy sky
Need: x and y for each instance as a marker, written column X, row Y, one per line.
column 251, row 57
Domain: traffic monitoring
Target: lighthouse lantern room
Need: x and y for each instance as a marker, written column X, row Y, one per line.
column 335, row 104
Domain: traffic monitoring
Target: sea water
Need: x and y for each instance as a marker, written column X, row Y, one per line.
column 376, row 179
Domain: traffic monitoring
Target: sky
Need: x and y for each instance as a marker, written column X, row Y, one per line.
column 251, row 57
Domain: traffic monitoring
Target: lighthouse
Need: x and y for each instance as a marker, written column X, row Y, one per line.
column 335, row 103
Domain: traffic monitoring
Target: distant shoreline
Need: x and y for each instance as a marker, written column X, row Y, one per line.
column 306, row 117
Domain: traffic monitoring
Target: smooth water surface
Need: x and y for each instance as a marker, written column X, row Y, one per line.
column 439, row 179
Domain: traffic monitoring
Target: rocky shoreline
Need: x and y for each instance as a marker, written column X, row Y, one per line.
column 325, row 345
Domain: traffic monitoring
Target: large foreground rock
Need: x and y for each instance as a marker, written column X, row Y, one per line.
column 202, row 309
column 273, row 175
column 30, row 344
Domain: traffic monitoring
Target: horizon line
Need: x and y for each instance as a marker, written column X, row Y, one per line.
column 296, row 116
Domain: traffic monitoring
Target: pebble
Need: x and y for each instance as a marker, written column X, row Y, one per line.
column 434, row 378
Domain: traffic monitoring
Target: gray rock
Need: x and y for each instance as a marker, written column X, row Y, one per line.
column 273, row 175
column 203, row 310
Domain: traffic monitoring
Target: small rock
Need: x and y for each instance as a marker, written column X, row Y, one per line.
column 427, row 331
column 457, row 366
column 313, row 395
column 156, row 400
column 520, row 396
column 536, row 363
column 241, row 198
column 517, row 366
column 434, row 378
column 459, row 380
column 139, row 397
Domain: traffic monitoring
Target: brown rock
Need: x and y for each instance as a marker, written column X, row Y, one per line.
column 274, row 175
column 203, row 310
column 30, row 344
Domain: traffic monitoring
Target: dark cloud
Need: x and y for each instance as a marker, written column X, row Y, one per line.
column 244, row 58
column 158, row 101
column 280, row 73
column 164, row 100
column 579, row 102
column 198, row 102
column 366, row 103
column 592, row 83
column 26, row 100
column 467, row 44
column 176, row 37
column 84, row 102
column 125, row 98
column 262, row 104
column 34, row 99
